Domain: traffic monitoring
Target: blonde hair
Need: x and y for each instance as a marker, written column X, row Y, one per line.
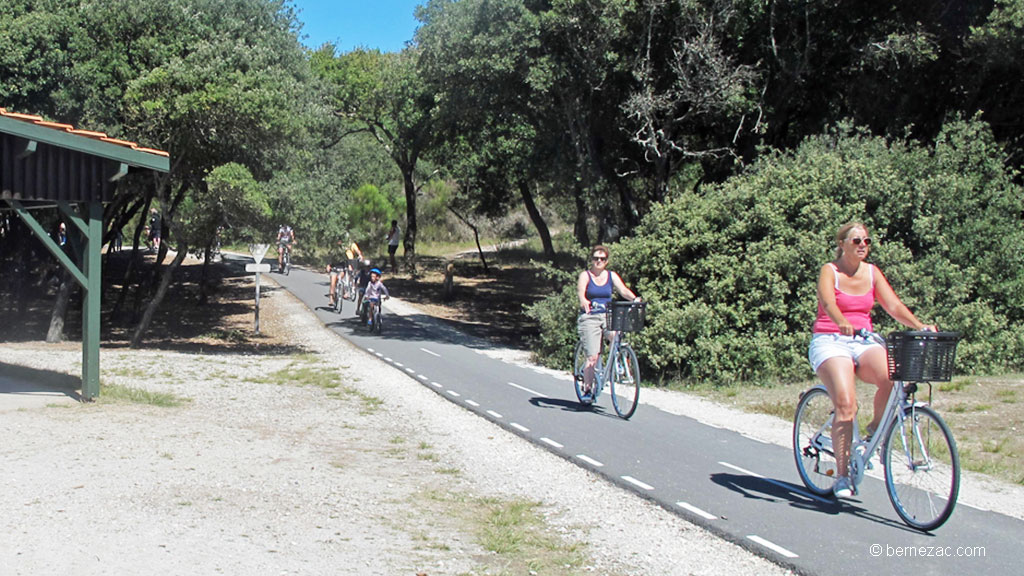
column 844, row 231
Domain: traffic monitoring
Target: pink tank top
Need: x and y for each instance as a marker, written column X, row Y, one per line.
column 856, row 309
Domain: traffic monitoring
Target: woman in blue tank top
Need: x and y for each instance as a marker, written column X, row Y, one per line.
column 595, row 288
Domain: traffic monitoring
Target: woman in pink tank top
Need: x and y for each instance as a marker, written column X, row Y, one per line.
column 848, row 288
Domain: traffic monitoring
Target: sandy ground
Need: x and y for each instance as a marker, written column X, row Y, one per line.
column 257, row 474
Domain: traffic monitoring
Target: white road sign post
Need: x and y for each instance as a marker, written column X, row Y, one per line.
column 258, row 251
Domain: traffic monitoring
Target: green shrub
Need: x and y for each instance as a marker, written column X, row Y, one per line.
column 730, row 272
column 556, row 318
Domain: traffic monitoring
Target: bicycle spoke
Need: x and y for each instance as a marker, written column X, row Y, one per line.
column 625, row 382
column 812, row 441
column 922, row 468
column 579, row 362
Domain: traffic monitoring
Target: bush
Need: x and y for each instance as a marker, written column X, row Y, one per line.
column 730, row 273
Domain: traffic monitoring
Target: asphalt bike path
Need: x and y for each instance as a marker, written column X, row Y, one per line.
column 742, row 489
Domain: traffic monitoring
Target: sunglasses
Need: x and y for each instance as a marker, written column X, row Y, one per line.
column 600, row 258
column 857, row 241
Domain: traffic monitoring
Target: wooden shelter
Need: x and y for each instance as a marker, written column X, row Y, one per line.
column 51, row 165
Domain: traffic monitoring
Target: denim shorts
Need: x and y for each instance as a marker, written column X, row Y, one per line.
column 825, row 346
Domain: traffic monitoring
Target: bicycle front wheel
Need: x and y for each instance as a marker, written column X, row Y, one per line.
column 922, row 468
column 377, row 319
column 578, row 364
column 625, row 382
column 812, row 441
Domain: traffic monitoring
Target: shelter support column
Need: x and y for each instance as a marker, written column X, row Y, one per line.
column 91, row 301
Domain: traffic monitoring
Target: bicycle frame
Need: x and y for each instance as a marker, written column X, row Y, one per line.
column 861, row 453
column 603, row 373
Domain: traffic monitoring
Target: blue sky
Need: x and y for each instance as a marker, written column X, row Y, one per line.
column 381, row 24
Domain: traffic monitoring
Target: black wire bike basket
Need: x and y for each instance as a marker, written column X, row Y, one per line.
column 921, row 356
column 627, row 316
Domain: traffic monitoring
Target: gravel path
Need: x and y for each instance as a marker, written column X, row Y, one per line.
column 256, row 474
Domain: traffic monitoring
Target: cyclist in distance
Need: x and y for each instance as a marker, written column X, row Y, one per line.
column 595, row 287
column 375, row 291
column 354, row 255
column 285, row 239
column 337, row 269
column 848, row 288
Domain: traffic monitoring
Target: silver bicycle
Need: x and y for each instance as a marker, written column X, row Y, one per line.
column 916, row 447
column 617, row 364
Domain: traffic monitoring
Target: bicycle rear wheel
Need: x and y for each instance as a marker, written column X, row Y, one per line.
column 812, row 441
column 922, row 468
column 578, row 363
column 625, row 382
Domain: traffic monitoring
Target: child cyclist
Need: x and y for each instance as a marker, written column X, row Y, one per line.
column 375, row 292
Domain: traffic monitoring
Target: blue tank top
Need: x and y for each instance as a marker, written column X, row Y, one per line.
column 600, row 296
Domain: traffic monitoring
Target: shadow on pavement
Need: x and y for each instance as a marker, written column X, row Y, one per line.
column 22, row 387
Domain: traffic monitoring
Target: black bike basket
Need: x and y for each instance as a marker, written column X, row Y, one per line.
column 921, row 356
column 627, row 316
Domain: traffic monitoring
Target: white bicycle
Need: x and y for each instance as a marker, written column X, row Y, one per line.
column 916, row 447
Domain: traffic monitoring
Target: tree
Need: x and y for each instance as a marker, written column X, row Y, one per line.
column 382, row 94
column 688, row 88
column 477, row 57
column 219, row 100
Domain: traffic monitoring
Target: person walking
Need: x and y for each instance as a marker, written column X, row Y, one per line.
column 394, row 237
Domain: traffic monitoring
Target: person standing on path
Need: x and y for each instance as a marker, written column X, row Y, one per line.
column 394, row 237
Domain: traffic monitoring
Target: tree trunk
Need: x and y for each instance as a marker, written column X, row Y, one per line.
column 133, row 263
column 579, row 228
column 538, row 220
column 203, row 288
column 410, row 216
column 476, row 236
column 60, row 308
column 165, row 282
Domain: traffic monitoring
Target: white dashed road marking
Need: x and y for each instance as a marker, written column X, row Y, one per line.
column 431, row 353
column 551, row 442
column 473, row 404
column 697, row 511
column 637, row 483
column 453, row 393
column 495, row 414
column 520, row 427
column 436, row 385
column 772, row 546
column 524, row 389
column 589, row 460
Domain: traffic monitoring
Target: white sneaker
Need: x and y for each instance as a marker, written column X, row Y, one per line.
column 843, row 488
